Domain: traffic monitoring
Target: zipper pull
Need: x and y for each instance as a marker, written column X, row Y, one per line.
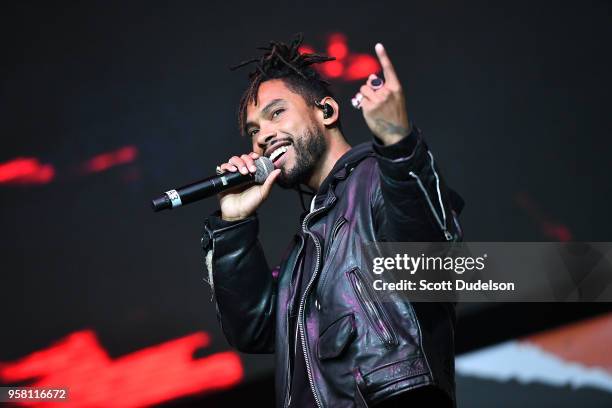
column 312, row 203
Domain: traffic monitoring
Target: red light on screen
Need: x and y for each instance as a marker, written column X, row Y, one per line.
column 347, row 66
column 557, row 232
column 146, row 377
column 306, row 49
column 361, row 66
column 26, row 170
column 337, row 46
column 107, row 160
column 332, row 69
column 551, row 229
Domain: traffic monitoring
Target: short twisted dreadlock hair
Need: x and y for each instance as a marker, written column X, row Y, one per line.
column 285, row 62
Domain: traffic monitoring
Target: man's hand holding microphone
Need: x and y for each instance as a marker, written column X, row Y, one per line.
column 242, row 201
column 241, row 184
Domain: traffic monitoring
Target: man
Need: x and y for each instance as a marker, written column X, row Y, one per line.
column 336, row 344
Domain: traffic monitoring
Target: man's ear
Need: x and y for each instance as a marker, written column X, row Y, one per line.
column 329, row 111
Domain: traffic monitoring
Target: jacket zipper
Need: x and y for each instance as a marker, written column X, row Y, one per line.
column 441, row 223
column 288, row 386
column 301, row 319
column 372, row 309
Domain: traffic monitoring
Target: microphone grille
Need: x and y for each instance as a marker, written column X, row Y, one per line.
column 264, row 168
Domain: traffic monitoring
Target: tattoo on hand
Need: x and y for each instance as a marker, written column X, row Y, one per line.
column 384, row 127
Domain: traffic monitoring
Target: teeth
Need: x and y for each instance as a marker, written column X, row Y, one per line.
column 278, row 152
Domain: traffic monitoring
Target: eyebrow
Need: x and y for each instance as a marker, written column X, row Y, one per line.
column 265, row 111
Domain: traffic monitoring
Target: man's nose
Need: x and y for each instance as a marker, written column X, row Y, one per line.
column 265, row 137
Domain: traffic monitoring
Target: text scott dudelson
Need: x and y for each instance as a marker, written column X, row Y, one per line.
column 425, row 285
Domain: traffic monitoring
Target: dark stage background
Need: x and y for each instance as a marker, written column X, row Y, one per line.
column 106, row 104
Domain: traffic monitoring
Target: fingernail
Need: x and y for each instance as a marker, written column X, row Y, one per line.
column 244, row 169
column 253, row 168
column 376, row 82
column 234, row 168
column 379, row 47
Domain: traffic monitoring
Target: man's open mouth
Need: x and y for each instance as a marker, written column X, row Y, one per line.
column 278, row 153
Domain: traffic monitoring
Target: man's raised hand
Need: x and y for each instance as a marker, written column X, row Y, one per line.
column 384, row 104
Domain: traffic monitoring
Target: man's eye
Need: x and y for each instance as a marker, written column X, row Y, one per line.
column 277, row 112
column 253, row 132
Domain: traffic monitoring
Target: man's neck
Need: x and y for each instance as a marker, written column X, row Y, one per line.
column 337, row 146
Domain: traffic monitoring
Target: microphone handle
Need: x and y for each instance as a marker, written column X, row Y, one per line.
column 200, row 189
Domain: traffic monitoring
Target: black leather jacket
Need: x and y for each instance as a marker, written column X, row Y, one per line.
column 358, row 351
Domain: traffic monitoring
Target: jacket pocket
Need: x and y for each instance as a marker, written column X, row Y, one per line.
column 340, row 222
column 372, row 308
column 336, row 337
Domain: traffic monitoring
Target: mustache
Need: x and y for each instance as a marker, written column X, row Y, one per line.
column 288, row 138
column 278, row 141
column 285, row 139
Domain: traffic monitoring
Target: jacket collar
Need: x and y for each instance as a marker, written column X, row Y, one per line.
column 341, row 170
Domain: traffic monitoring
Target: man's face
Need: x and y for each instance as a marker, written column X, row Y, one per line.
column 281, row 121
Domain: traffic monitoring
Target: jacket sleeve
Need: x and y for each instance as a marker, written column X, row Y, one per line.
column 242, row 285
column 412, row 201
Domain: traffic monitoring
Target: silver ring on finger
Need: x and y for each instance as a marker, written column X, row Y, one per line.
column 356, row 101
column 218, row 170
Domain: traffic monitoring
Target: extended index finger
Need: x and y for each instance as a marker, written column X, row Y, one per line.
column 387, row 66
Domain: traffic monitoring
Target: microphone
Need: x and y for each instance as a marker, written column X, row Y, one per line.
column 211, row 186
